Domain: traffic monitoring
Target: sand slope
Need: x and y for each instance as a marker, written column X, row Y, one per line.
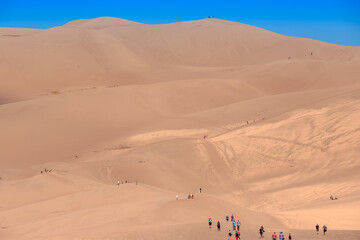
column 102, row 100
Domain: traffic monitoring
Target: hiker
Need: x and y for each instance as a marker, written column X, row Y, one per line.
column 200, row 190
column 317, row 228
column 118, row 183
column 325, row 229
column 274, row 236
column 210, row 222
column 177, row 197
column 311, row 53
column 230, row 234
column 290, row 236
column 218, row 226
column 261, row 231
column 232, row 217
column 281, row 236
column 192, row 196
column 238, row 223
column 331, row 197
column 234, row 225
column 247, row 122
column 237, row 235
column 189, row 196
column 227, row 218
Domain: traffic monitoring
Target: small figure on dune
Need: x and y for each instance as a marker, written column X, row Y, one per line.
column 289, row 57
column 118, row 183
column 317, row 228
column 218, row 226
column 290, row 236
column 177, row 197
column 41, row 172
column 210, row 222
column 237, row 235
column 247, row 122
column 232, row 217
column 227, row 218
column 230, row 234
column 192, row 196
column 311, row 53
column 281, row 236
column 234, row 225
column 274, row 236
column 200, row 190
column 325, row 229
column 238, row 223
column 261, row 231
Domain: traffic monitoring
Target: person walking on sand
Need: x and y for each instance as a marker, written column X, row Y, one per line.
column 230, row 234
column 200, row 190
column 238, row 223
column 232, row 217
column 261, row 231
column 325, row 229
column 177, row 197
column 218, row 226
column 290, row 236
column 234, row 225
column 237, row 235
column 317, row 228
column 227, row 218
column 118, row 183
column 274, row 236
column 281, row 236
column 210, row 222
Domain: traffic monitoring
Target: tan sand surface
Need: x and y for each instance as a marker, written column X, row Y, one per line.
column 104, row 100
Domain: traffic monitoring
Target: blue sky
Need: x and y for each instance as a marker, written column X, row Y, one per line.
column 334, row 21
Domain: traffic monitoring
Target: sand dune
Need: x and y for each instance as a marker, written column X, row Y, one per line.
column 102, row 100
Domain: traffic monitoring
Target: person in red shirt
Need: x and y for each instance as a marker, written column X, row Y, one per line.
column 274, row 237
column 237, row 235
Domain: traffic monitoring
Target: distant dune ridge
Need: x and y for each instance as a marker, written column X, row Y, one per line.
column 104, row 100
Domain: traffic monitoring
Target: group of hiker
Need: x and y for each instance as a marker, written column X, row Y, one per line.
column 234, row 223
column 324, row 229
column 125, row 181
column 281, row 236
column 189, row 196
column 333, row 198
column 236, row 228
column 46, row 170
